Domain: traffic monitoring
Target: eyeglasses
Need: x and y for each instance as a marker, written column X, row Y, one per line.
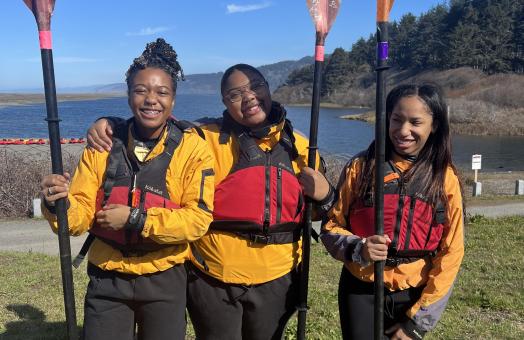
column 258, row 88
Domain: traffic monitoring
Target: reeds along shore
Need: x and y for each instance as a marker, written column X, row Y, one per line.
column 23, row 166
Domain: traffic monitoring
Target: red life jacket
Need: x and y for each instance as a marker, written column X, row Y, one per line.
column 410, row 221
column 135, row 184
column 261, row 198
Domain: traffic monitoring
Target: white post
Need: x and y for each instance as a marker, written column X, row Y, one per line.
column 37, row 211
column 519, row 187
column 477, row 189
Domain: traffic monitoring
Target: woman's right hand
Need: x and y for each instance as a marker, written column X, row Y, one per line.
column 99, row 135
column 54, row 187
column 376, row 248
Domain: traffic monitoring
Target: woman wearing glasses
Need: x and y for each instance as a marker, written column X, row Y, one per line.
column 243, row 281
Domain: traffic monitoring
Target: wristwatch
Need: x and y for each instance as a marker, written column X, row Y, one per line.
column 135, row 220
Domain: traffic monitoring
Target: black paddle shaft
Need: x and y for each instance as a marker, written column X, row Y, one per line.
column 380, row 147
column 61, row 209
column 306, row 239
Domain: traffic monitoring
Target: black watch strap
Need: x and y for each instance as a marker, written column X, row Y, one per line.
column 136, row 220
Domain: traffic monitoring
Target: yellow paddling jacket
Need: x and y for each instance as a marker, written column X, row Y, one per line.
column 190, row 185
column 227, row 256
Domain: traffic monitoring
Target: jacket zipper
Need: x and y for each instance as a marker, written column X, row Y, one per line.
column 399, row 214
column 410, row 221
column 279, row 194
column 267, row 203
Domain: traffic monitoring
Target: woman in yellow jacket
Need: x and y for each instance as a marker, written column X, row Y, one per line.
column 144, row 202
column 423, row 222
column 243, row 281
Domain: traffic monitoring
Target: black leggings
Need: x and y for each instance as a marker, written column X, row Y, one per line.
column 356, row 304
column 116, row 302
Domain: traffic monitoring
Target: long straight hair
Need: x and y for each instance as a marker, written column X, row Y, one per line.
column 431, row 163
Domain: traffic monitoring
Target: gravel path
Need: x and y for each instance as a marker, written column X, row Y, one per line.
column 35, row 235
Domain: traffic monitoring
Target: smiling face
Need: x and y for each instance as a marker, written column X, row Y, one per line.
column 253, row 106
column 410, row 125
column 151, row 99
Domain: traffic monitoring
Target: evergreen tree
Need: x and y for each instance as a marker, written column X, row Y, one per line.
column 495, row 46
column 464, row 39
column 430, row 39
column 363, row 52
column 336, row 72
column 403, row 41
column 301, row 75
column 518, row 38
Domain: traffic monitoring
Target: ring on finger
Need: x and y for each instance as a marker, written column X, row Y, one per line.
column 49, row 192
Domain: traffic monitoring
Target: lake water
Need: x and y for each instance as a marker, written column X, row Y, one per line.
column 338, row 136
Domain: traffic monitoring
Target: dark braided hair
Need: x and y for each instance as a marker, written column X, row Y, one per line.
column 158, row 54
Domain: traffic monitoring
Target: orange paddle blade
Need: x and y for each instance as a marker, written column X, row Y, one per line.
column 383, row 9
column 323, row 13
column 42, row 10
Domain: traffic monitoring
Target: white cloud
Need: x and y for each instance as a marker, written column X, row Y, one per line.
column 232, row 8
column 148, row 31
column 65, row 60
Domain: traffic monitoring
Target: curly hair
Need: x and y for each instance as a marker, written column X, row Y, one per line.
column 158, row 54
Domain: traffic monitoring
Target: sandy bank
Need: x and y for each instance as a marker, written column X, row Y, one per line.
column 14, row 99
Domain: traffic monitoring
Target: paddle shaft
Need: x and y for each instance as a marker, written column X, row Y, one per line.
column 380, row 147
column 312, row 157
column 61, row 209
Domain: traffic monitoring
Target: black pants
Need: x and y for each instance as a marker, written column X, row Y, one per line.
column 356, row 305
column 116, row 303
column 230, row 312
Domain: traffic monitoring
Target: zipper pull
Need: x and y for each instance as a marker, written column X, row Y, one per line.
column 134, row 201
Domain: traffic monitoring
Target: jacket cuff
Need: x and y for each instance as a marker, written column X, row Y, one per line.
column 327, row 202
column 413, row 330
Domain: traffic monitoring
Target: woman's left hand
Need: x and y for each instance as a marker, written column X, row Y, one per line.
column 313, row 183
column 397, row 333
column 113, row 216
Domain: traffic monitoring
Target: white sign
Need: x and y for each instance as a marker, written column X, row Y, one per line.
column 476, row 162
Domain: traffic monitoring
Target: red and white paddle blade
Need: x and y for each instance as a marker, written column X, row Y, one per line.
column 42, row 9
column 323, row 13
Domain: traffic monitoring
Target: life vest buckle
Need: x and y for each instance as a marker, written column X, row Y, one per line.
column 257, row 238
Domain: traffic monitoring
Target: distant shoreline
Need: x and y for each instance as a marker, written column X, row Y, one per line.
column 17, row 99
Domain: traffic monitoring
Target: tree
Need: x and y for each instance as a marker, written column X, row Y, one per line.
column 336, row 72
column 430, row 41
column 464, row 39
column 403, row 41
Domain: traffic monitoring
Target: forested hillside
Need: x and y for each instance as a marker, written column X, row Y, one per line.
column 474, row 49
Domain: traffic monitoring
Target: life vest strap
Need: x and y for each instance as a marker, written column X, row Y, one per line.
column 273, row 238
column 277, row 233
column 252, row 227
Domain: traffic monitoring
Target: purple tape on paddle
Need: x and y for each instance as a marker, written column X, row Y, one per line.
column 383, row 49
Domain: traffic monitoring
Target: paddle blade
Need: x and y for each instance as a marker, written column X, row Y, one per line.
column 323, row 13
column 383, row 9
column 42, row 10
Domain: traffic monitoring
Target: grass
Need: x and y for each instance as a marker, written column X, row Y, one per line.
column 487, row 301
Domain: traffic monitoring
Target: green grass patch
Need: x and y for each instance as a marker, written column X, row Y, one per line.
column 487, row 301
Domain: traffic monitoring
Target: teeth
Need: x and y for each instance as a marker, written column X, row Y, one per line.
column 151, row 112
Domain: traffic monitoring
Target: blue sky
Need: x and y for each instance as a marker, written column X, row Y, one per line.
column 94, row 41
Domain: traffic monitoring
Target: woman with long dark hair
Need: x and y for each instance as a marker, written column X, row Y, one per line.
column 423, row 221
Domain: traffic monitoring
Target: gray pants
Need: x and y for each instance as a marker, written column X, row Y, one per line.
column 116, row 303
column 231, row 312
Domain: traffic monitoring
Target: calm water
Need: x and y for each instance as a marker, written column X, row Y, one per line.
column 336, row 135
